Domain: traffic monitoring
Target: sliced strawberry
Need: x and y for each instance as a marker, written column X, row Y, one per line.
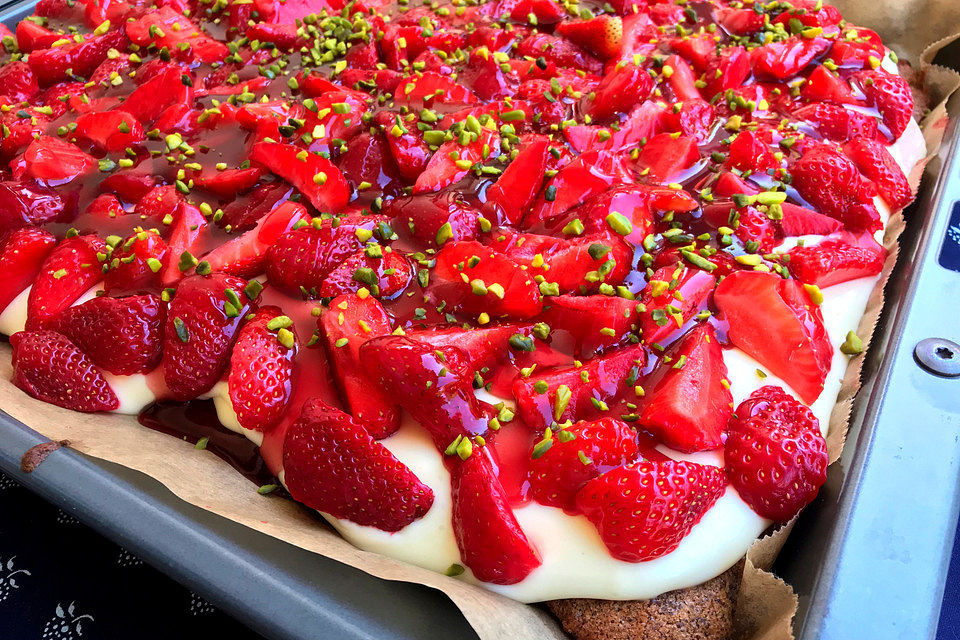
column 331, row 464
column 739, row 21
column 562, row 53
column 830, row 181
column 18, row 81
column 202, row 323
column 314, row 176
column 429, row 89
column 571, row 391
column 368, row 159
column 686, row 404
column 168, row 28
column 800, row 221
column 474, row 279
column 837, row 259
column 261, row 369
column 875, row 162
column 53, row 162
column 384, row 273
column 776, row 457
column 22, row 254
column 483, row 346
column 31, row 36
column 758, row 306
column 350, row 322
column 670, row 299
column 453, row 161
column 515, row 189
column 188, row 223
column 590, row 174
column 729, row 184
column 136, row 263
column 781, row 60
column 602, row 36
column 558, row 474
column 643, row 121
column 68, row 272
column 643, row 510
column 245, row 255
column 245, row 212
column 837, row 123
column 230, row 182
column 892, row 96
column 158, row 93
column 748, row 152
column 26, row 202
column 430, row 384
column 726, row 70
column 490, row 539
column 106, row 207
column 79, row 58
column 638, row 203
column 544, row 11
column 619, row 90
column 666, row 158
column 749, row 223
column 594, row 323
column 810, row 13
column 121, row 335
column 825, row 86
column 696, row 49
column 682, row 79
column 434, row 219
column 50, row 367
column 110, row 130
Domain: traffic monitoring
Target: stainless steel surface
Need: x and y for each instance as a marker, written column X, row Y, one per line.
column 939, row 356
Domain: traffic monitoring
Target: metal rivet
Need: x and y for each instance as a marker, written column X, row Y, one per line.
column 938, row 356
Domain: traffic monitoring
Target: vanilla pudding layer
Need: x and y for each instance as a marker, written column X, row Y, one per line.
column 575, row 561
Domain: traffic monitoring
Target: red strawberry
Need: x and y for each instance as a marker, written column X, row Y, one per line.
column 686, row 404
column 825, row 86
column 696, row 49
column 484, row 346
column 261, row 369
column 350, row 322
column 22, row 254
column 645, row 509
column 593, row 322
column 636, row 202
column 314, row 176
column 367, row 159
column 619, row 90
column 666, row 158
column 409, row 150
column 31, row 36
column 73, row 267
column 739, row 21
column 442, row 169
column 246, row 211
column 161, row 91
column 749, row 223
column 106, row 207
column 30, row 203
column 430, row 384
column 80, row 58
column 694, row 118
column 856, row 52
column 53, row 162
column 558, row 474
column 836, row 260
column 121, row 335
column 110, row 130
column 800, row 221
column 331, row 464
column 776, row 457
column 837, row 123
column 50, row 367
column 230, row 182
column 748, row 152
column 188, row 223
column 726, row 70
column 810, row 13
column 891, row 95
column 202, row 323
column 682, row 80
column 490, row 539
column 831, row 182
column 781, row 60
column 518, row 185
column 474, row 279
column 601, row 36
column 165, row 27
column 434, row 219
column 760, row 305
column 384, row 272
column 18, row 81
column 562, row 53
column 875, row 162
column 591, row 173
column 729, row 184
column 244, row 256
column 644, row 121
column 428, row 89
column 671, row 298
column 569, row 392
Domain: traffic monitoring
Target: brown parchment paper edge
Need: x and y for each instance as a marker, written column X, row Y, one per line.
column 766, row 604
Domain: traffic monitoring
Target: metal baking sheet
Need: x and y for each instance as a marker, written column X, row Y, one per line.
column 868, row 558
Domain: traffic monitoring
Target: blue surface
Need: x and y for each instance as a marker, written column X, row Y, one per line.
column 949, row 628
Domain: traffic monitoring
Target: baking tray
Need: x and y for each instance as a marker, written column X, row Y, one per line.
column 868, row 558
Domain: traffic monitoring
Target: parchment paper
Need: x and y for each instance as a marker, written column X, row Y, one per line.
column 915, row 29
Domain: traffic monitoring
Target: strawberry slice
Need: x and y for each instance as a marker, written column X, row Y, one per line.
column 484, row 346
column 31, row 36
column 368, row 159
column 347, row 325
column 332, row 465
column 682, row 80
column 106, row 207
column 558, row 474
column 726, row 70
column 644, row 121
column 837, row 123
column 749, row 223
column 810, row 13
column 800, row 221
column 110, row 130
column 453, row 161
column 643, row 510
column 671, row 298
column 158, row 93
column 490, row 539
column 314, row 176
column 825, row 86
column 784, row 59
column 695, row 49
column 618, row 91
column 602, row 36
column 79, row 58
column 430, row 384
column 434, row 219
column 569, row 393
column 830, row 181
column 385, row 273
column 29, row 203
column 739, row 21
column 475, row 279
column 165, row 27
column 429, row 89
column 686, row 404
column 22, row 254
column 759, row 305
column 837, row 259
column 559, row 51
column 594, row 323
column 666, row 158
column 135, row 263
column 748, row 152
column 875, row 162
column 229, row 183
column 892, row 96
column 50, row 367
column 53, row 162
column 121, row 335
column 188, row 223
column 245, row 255
column 410, row 152
column 261, row 369
column 591, row 173
column 636, row 202
column 776, row 457
column 73, row 267
column 18, row 81
column 202, row 323
column 515, row 189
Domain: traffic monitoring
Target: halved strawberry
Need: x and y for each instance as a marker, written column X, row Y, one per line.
column 515, row 189
column 643, row 510
column 246, row 211
column 800, row 221
column 835, row 122
column 453, row 161
column 671, row 298
column 569, row 393
column 748, row 152
column 591, row 173
column 643, row 121
column 50, row 367
column 619, row 90
column 383, row 272
column 686, row 404
column 261, row 369
column 682, row 80
column 781, row 60
column 188, row 223
column 749, row 223
column 739, row 21
column 162, row 90
column 110, row 130
column 22, row 254
column 350, row 322
column 244, row 256
column 484, row 346
column 774, row 321
column 135, row 263
column 892, row 97
column 562, row 53
column 434, row 219
column 594, row 323
column 428, row 89
column 601, row 36
column 875, row 162
column 810, row 13
column 31, row 36
column 121, row 335
column 368, row 159
column 558, row 474
column 837, row 259
column 18, row 81
column 314, row 176
column 636, row 202
column 52, row 162
column 165, row 27
column 106, row 207
column 490, row 539
column 825, row 86
column 73, row 267
column 776, row 457
column 406, row 143
column 830, row 181
column 80, row 58
column 726, row 70
column 202, row 323
column 475, row 279
column 696, row 49
column 230, row 182
column 26, row 202
column 666, row 157
column 331, row 464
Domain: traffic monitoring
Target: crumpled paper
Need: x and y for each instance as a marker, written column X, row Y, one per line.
column 915, row 29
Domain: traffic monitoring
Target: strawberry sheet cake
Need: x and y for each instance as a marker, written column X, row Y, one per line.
column 554, row 297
